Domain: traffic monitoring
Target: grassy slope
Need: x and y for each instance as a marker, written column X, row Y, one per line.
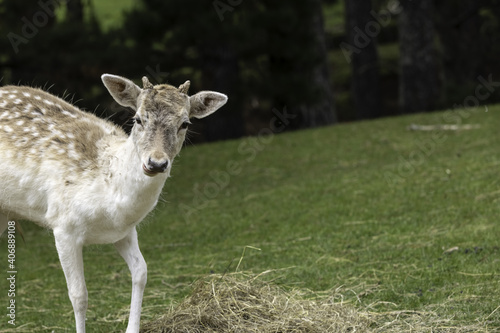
column 331, row 207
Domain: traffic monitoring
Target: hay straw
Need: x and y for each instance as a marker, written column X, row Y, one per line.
column 244, row 303
column 237, row 303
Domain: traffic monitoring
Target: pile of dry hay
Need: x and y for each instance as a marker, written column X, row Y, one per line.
column 231, row 303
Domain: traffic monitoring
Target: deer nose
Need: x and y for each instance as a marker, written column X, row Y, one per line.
column 156, row 166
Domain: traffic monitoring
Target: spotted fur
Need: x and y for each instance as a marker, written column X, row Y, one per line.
column 84, row 178
column 36, row 126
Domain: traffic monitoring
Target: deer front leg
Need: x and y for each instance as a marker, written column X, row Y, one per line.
column 70, row 255
column 128, row 248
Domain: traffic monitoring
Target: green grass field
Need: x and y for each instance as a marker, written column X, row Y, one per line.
column 368, row 208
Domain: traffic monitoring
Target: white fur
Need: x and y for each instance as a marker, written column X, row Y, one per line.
column 85, row 201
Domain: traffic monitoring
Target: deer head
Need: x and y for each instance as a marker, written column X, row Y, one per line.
column 161, row 119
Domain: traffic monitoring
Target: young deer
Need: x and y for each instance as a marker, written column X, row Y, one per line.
column 85, row 179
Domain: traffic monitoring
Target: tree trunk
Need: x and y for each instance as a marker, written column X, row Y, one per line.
column 220, row 73
column 459, row 28
column 323, row 111
column 419, row 87
column 364, row 62
column 299, row 74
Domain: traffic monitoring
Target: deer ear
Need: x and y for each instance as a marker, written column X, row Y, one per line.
column 184, row 88
column 124, row 91
column 205, row 103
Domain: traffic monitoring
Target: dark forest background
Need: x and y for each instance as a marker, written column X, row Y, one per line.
column 324, row 61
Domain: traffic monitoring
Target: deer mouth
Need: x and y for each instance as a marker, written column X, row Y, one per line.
column 148, row 172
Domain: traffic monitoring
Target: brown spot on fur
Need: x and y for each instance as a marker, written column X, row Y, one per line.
column 48, row 126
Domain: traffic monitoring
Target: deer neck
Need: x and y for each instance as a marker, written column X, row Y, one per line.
column 131, row 188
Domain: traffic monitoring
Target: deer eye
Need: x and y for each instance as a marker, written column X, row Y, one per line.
column 137, row 120
column 184, row 125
